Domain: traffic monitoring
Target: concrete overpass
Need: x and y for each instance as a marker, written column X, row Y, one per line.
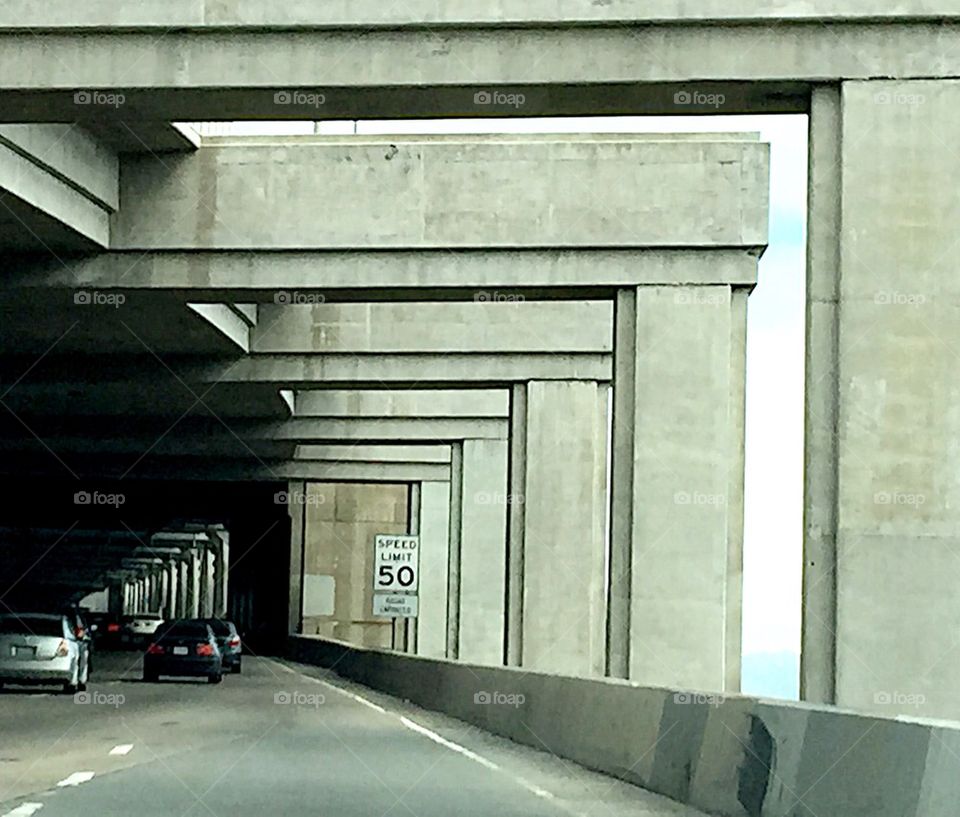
column 203, row 327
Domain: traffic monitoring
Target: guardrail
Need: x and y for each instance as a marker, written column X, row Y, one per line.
column 729, row 755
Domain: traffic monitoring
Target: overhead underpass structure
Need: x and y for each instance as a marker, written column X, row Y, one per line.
column 236, row 370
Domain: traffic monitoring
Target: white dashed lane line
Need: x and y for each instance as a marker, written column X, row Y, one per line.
column 76, row 779
column 122, row 749
column 24, row 810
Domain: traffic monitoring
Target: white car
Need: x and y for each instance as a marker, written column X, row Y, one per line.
column 40, row 648
column 137, row 630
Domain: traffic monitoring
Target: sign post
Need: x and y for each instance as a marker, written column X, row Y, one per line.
column 396, row 576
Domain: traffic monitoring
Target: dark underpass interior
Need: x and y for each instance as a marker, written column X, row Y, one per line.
column 63, row 539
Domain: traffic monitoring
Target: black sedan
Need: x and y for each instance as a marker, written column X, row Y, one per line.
column 228, row 640
column 184, row 648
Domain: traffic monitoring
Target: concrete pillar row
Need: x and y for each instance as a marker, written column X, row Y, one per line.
column 677, row 472
column 170, row 602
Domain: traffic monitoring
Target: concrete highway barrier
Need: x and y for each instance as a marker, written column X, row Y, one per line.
column 729, row 755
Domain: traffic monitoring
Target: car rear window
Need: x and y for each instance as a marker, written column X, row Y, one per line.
column 221, row 627
column 31, row 625
column 187, row 630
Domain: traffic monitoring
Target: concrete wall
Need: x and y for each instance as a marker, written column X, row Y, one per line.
column 882, row 501
column 728, row 755
column 341, row 521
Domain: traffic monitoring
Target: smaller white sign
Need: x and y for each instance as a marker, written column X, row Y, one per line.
column 394, row 605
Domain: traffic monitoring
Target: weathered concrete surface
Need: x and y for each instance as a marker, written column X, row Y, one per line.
column 897, row 463
column 481, row 543
column 434, row 524
column 448, row 192
column 677, row 482
column 341, row 523
column 471, row 275
column 238, row 14
column 476, row 403
column 484, row 326
column 557, row 553
column 728, row 755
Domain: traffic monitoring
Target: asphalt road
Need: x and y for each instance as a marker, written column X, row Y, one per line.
column 280, row 739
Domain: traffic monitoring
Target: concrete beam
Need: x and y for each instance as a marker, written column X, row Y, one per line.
column 422, row 403
column 435, row 69
column 556, row 328
column 472, row 192
column 471, row 275
column 376, row 371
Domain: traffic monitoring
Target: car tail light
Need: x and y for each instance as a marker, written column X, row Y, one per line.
column 62, row 649
column 113, row 628
column 79, row 632
column 234, row 641
column 204, row 649
column 155, row 649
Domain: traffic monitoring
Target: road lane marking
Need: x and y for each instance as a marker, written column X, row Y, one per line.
column 422, row 730
column 122, row 749
column 449, row 744
column 76, row 779
column 24, row 810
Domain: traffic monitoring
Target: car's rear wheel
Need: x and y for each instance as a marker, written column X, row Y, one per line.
column 235, row 669
column 150, row 677
column 216, row 678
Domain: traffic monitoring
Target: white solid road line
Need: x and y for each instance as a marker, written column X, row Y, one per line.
column 76, row 779
column 427, row 733
column 24, row 810
column 122, row 749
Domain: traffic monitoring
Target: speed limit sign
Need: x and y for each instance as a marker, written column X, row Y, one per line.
column 396, row 564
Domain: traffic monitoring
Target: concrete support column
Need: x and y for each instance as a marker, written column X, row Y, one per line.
column 163, row 590
column 882, row 422
column 115, row 598
column 478, row 521
column 818, row 650
column 557, row 506
column 434, row 523
column 206, row 559
column 193, row 587
column 170, row 608
column 297, row 511
column 220, row 540
column 677, row 486
column 183, row 585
